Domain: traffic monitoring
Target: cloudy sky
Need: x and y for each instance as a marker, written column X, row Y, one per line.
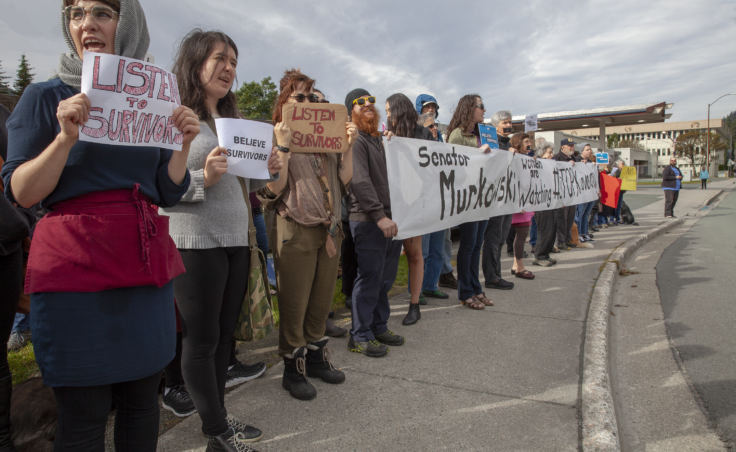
column 530, row 57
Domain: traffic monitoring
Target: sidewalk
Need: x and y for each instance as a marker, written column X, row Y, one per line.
column 505, row 378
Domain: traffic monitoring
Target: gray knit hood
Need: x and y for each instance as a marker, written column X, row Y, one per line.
column 131, row 40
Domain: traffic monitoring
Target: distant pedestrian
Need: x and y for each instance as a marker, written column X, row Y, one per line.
column 704, row 178
column 671, row 182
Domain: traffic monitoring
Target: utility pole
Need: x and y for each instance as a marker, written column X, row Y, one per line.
column 707, row 137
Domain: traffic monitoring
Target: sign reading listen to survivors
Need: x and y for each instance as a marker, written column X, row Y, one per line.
column 434, row 186
column 316, row 127
column 132, row 102
column 247, row 144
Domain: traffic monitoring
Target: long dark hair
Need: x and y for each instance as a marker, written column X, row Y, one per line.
column 403, row 119
column 193, row 52
column 463, row 116
column 291, row 79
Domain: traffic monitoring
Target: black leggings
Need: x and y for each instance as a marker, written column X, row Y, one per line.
column 83, row 413
column 209, row 296
column 11, row 282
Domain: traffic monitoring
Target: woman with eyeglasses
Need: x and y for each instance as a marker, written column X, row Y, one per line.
column 102, row 261
column 464, row 131
column 210, row 228
column 307, row 203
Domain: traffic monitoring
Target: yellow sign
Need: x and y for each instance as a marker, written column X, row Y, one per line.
column 628, row 178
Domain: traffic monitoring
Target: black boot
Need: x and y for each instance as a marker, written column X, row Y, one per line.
column 412, row 316
column 319, row 365
column 6, row 388
column 230, row 441
column 294, row 380
column 333, row 330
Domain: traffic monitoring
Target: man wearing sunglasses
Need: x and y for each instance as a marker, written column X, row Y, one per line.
column 372, row 229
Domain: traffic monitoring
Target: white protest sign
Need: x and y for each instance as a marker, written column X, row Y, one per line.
column 132, row 102
column 248, row 145
column 435, row 185
column 530, row 123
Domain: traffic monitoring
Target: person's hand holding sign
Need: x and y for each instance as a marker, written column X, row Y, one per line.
column 485, row 148
column 352, row 131
column 215, row 166
column 72, row 113
column 188, row 124
column 388, row 227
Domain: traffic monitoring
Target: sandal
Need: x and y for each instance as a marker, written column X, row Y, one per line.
column 525, row 274
column 473, row 303
column 483, row 299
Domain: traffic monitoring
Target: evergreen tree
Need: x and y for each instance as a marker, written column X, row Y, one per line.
column 4, row 87
column 255, row 100
column 23, row 77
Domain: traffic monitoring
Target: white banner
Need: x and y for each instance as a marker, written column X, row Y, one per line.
column 132, row 102
column 248, row 145
column 437, row 185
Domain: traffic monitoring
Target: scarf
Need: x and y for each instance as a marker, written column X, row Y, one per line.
column 131, row 40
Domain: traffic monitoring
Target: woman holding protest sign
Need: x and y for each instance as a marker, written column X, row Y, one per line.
column 402, row 122
column 464, row 131
column 210, row 228
column 102, row 304
column 307, row 204
column 521, row 221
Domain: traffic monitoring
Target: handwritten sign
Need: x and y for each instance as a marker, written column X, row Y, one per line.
column 530, row 123
column 316, row 127
column 488, row 135
column 601, row 158
column 628, row 178
column 248, row 145
column 132, row 102
column 435, row 186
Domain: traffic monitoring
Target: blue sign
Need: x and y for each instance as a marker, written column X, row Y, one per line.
column 488, row 135
column 601, row 158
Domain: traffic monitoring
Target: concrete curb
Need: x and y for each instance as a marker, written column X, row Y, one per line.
column 600, row 429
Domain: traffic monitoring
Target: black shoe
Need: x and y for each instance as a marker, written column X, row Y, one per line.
column 230, row 441
column 412, row 316
column 571, row 245
column 240, row 373
column 448, row 280
column 333, row 330
column 373, row 348
column 388, row 337
column 294, row 379
column 250, row 434
column 177, row 400
column 501, row 284
column 319, row 365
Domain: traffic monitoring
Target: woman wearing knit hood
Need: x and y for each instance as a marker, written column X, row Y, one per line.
column 101, row 261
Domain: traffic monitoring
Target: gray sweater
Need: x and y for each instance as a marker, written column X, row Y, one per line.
column 211, row 217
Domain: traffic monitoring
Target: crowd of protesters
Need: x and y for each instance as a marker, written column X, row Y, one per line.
column 103, row 318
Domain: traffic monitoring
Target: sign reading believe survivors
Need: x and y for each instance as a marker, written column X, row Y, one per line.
column 247, row 144
column 132, row 102
column 437, row 185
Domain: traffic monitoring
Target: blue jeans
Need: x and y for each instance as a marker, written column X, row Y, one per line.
column 378, row 260
column 262, row 238
column 582, row 216
column 21, row 324
column 447, row 253
column 468, row 258
column 617, row 215
column 533, row 232
column 433, row 245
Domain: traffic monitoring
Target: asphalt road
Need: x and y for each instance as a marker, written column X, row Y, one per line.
column 697, row 285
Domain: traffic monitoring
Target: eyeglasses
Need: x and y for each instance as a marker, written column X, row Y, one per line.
column 101, row 14
column 363, row 100
column 302, row 97
column 481, row 106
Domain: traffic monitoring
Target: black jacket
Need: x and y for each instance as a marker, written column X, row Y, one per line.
column 669, row 178
column 369, row 195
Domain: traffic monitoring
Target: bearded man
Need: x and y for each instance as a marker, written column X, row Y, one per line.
column 372, row 228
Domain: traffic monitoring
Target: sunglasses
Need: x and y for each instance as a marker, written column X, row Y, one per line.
column 101, row 14
column 302, row 97
column 363, row 100
column 481, row 106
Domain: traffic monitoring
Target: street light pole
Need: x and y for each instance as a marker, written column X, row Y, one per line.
column 707, row 138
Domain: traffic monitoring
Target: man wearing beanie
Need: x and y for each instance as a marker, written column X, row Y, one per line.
column 372, row 229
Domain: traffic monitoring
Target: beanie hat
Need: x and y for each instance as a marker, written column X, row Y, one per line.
column 352, row 95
